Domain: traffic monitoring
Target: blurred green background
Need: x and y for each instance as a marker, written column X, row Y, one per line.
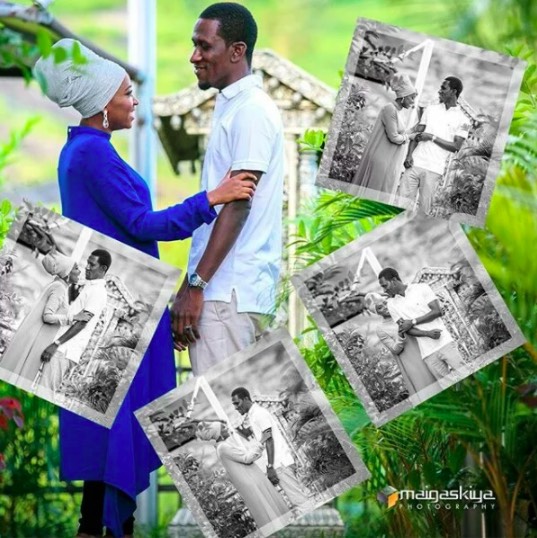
column 481, row 433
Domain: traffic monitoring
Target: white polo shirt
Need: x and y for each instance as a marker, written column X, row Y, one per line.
column 446, row 123
column 92, row 298
column 260, row 420
column 246, row 134
column 415, row 304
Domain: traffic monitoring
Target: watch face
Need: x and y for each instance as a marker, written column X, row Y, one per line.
column 196, row 281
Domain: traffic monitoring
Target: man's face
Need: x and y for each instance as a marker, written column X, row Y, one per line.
column 239, row 404
column 445, row 91
column 388, row 286
column 94, row 269
column 211, row 57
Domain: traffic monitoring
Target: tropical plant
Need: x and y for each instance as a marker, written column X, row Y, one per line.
column 10, row 409
column 32, row 501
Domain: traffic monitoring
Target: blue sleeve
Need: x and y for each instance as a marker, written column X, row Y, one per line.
column 112, row 186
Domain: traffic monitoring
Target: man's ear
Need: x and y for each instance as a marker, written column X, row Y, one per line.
column 238, row 51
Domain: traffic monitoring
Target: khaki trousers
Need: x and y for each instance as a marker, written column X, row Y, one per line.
column 223, row 332
column 446, row 364
column 290, row 484
column 418, row 179
column 55, row 370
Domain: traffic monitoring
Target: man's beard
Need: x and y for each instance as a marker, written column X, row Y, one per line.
column 203, row 85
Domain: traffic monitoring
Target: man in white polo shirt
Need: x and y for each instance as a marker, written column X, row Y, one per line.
column 443, row 128
column 279, row 462
column 417, row 305
column 234, row 263
column 72, row 340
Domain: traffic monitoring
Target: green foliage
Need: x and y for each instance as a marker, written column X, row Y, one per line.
column 29, row 502
column 312, row 139
column 8, row 149
column 6, row 218
column 333, row 220
column 16, row 51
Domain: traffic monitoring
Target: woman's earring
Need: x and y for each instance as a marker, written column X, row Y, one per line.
column 105, row 119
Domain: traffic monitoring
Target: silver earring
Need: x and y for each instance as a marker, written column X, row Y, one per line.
column 105, row 119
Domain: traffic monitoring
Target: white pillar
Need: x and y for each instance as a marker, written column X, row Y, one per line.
column 291, row 158
column 142, row 54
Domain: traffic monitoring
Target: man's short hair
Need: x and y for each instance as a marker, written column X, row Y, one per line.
column 455, row 84
column 388, row 273
column 103, row 256
column 236, row 24
column 242, row 393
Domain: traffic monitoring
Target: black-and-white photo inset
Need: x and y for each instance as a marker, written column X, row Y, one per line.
column 82, row 310
column 420, row 122
column 408, row 310
column 253, row 444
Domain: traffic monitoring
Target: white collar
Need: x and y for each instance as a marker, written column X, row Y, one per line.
column 244, row 83
column 96, row 282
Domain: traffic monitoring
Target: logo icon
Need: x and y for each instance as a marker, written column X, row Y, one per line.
column 388, row 496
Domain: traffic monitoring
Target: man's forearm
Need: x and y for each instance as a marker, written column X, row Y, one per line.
column 430, row 316
column 270, row 450
column 411, row 147
column 72, row 331
column 414, row 331
column 447, row 145
column 226, row 230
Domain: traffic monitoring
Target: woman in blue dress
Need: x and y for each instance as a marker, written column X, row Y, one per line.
column 100, row 190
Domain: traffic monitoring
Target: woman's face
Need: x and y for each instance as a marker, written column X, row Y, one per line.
column 121, row 107
column 408, row 101
column 382, row 309
column 74, row 275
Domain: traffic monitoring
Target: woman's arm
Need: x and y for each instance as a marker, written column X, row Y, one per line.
column 110, row 184
column 56, row 299
column 244, row 455
column 395, row 345
column 388, row 116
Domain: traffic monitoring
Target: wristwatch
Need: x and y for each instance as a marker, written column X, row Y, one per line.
column 195, row 281
column 414, row 322
column 270, row 466
column 57, row 343
column 434, row 138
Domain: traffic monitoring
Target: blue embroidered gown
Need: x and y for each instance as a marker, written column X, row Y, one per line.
column 100, row 190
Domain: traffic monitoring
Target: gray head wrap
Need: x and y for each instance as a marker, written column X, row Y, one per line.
column 87, row 87
column 209, row 431
column 58, row 264
column 371, row 301
column 402, row 86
